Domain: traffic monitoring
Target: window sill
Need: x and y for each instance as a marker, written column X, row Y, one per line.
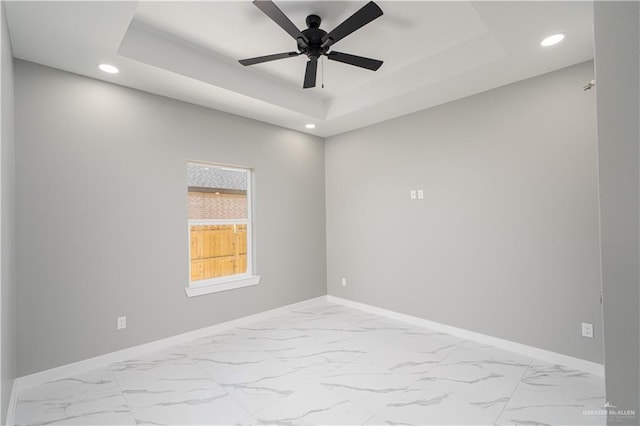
column 230, row 283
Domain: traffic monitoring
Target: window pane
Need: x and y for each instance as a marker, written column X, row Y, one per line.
column 218, row 218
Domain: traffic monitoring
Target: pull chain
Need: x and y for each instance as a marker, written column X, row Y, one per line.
column 322, row 71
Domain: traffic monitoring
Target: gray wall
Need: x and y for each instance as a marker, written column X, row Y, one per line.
column 7, row 223
column 617, row 61
column 102, row 223
column 505, row 242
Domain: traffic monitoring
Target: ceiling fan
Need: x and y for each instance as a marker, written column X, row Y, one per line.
column 315, row 42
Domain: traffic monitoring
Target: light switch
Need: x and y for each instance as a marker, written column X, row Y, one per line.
column 413, row 195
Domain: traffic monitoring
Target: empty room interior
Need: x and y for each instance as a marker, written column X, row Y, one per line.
column 320, row 213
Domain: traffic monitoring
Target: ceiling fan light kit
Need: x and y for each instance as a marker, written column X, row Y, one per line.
column 315, row 42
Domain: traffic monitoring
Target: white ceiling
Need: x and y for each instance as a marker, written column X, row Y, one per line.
column 433, row 52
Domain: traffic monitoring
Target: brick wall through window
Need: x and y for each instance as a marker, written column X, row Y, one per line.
column 209, row 205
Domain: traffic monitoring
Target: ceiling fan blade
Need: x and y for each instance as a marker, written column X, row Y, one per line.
column 267, row 58
column 310, row 74
column 362, row 17
column 358, row 61
column 270, row 9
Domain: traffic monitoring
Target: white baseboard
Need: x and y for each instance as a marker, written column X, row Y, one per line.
column 42, row 377
column 67, row 370
column 530, row 351
column 13, row 402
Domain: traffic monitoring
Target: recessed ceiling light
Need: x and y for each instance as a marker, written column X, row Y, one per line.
column 310, row 126
column 551, row 40
column 108, row 68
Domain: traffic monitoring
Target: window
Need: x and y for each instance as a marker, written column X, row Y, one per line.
column 220, row 238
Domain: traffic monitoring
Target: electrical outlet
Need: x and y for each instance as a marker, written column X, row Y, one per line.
column 420, row 194
column 587, row 330
column 413, row 194
column 344, row 282
column 122, row 323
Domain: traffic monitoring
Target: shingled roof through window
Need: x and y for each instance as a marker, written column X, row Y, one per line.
column 216, row 177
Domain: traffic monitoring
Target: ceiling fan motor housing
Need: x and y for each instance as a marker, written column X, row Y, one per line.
column 315, row 42
column 314, row 34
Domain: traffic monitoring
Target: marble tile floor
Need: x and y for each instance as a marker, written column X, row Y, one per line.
column 324, row 364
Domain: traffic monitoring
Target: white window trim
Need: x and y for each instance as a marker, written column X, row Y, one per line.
column 218, row 222
column 229, row 282
column 217, row 285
